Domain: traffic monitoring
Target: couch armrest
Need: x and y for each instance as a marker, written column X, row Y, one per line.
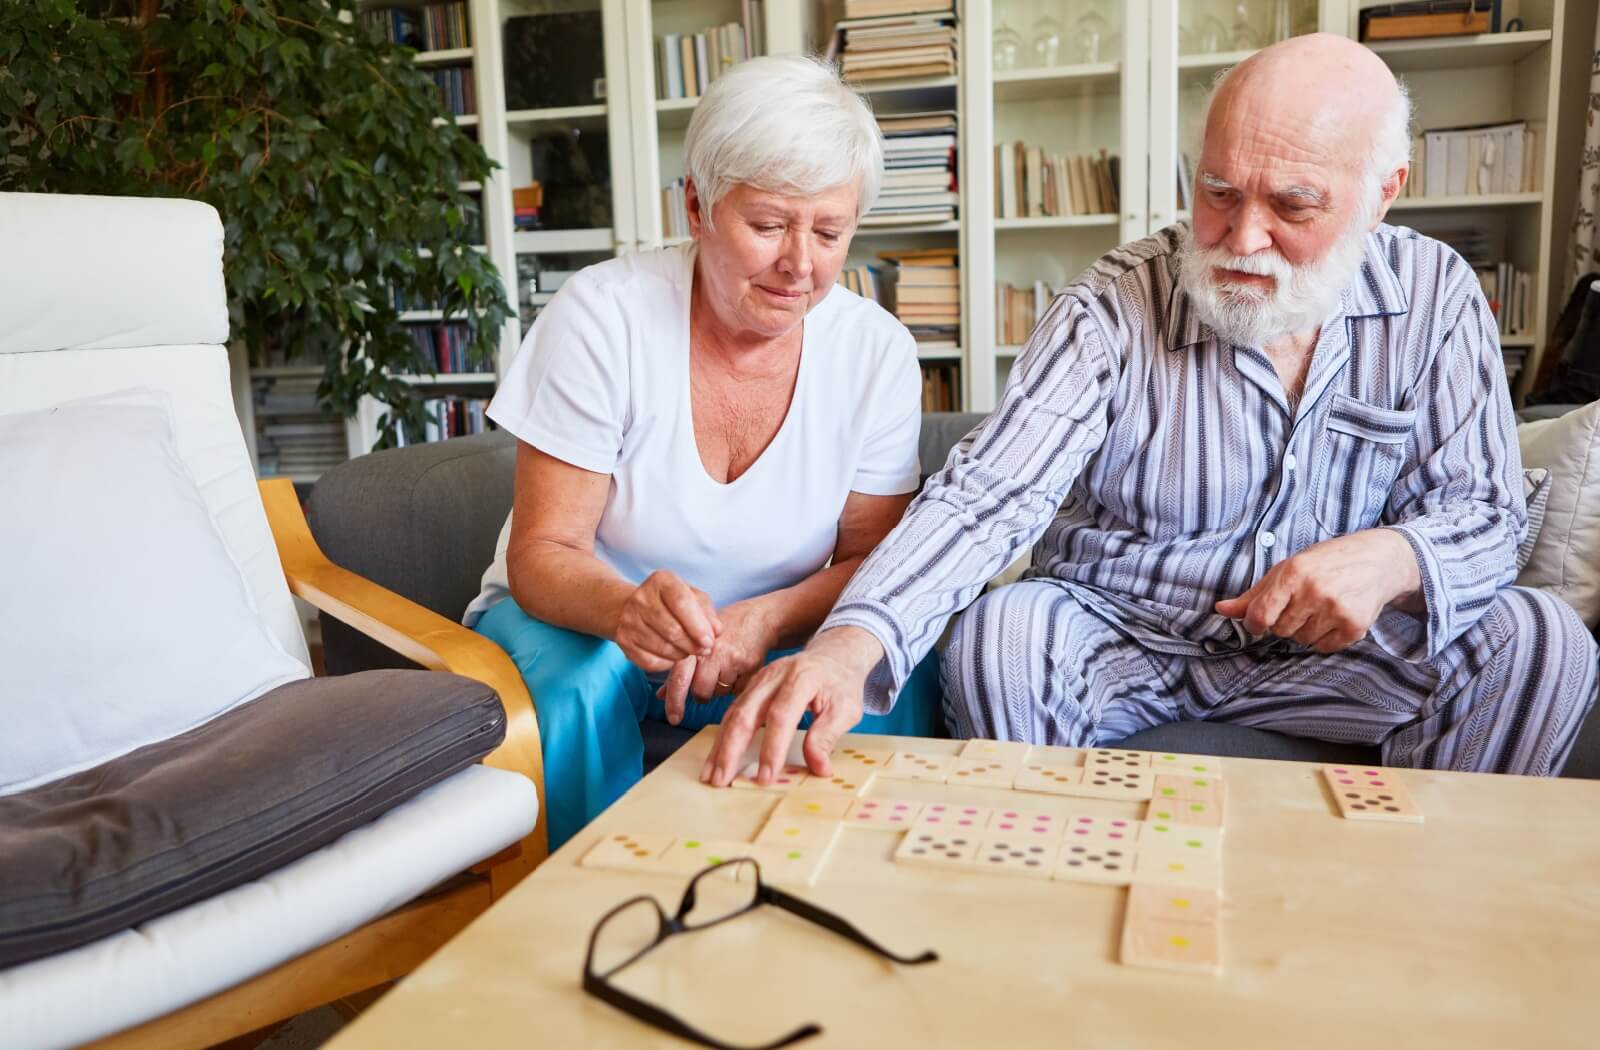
column 418, row 634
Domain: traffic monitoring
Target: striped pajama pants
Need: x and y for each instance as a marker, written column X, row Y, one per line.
column 1030, row 662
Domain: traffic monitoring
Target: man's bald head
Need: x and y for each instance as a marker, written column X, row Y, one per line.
column 1322, row 96
column 1305, row 148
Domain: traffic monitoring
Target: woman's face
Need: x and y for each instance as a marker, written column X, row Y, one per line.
column 771, row 257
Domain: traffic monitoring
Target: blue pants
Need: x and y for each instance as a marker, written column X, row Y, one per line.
column 590, row 701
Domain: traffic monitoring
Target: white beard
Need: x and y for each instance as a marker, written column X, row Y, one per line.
column 1301, row 299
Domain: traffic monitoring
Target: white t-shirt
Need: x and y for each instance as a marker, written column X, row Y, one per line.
column 602, row 382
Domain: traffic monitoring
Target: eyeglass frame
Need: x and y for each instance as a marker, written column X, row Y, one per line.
column 599, row 984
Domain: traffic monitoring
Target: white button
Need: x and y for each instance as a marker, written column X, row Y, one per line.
column 1268, row 539
column 1288, row 461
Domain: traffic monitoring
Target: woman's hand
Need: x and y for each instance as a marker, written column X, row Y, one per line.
column 664, row 621
column 748, row 633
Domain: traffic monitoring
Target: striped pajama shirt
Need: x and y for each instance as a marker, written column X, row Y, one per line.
column 1158, row 470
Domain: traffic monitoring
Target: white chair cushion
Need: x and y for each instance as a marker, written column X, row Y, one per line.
column 91, row 273
column 1566, row 553
column 205, row 948
column 124, row 619
column 195, row 380
column 118, row 292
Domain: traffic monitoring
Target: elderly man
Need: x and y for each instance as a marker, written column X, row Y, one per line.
column 1275, row 469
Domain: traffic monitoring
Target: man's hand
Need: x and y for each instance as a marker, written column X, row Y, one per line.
column 748, row 633
column 664, row 621
column 828, row 679
column 1328, row 596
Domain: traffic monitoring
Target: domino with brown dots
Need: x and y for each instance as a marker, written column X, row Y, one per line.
column 1371, row 793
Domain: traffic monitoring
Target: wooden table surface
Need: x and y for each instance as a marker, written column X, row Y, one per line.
column 1479, row 927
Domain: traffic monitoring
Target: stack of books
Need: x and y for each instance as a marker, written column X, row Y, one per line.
column 455, row 89
column 687, row 63
column 919, row 160
column 1510, row 294
column 436, row 27
column 865, row 280
column 525, row 204
column 444, row 347
column 294, row 436
column 941, row 388
column 674, row 210
column 1033, row 183
column 1017, row 310
column 888, row 39
column 449, row 417
column 1473, row 161
column 925, row 294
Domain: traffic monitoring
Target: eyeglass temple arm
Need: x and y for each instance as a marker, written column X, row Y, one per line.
column 601, row 989
column 839, row 925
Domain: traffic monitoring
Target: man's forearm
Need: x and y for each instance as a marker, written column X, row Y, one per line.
column 1407, row 597
column 854, row 647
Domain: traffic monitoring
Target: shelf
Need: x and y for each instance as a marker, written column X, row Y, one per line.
column 469, row 187
column 1460, row 52
column 464, row 120
column 885, row 87
column 939, row 355
column 448, row 378
column 286, row 372
column 1006, row 353
column 1483, row 200
column 1516, row 341
column 298, row 479
column 410, row 316
column 673, row 242
column 1055, row 222
column 673, row 114
column 532, row 241
column 1019, row 85
column 556, row 114
column 1210, row 62
column 893, row 229
column 427, row 253
column 444, row 55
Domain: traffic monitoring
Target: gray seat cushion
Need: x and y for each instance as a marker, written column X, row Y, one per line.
column 268, row 782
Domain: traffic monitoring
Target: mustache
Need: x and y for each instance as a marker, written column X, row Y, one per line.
column 1265, row 263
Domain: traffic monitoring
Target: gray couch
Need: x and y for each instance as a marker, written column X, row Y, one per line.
column 422, row 521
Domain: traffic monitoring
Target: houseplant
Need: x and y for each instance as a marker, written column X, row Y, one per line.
column 327, row 151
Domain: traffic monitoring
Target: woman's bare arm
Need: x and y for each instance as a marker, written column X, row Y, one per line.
column 555, row 576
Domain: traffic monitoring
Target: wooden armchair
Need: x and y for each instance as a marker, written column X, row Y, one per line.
column 391, row 947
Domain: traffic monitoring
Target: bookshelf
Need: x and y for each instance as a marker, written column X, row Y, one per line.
column 1137, row 96
column 1538, row 74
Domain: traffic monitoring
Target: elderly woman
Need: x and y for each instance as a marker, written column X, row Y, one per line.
column 712, row 438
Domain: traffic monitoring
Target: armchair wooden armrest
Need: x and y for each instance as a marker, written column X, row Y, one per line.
column 420, row 635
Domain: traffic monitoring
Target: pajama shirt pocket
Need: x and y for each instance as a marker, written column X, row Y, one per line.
column 1359, row 453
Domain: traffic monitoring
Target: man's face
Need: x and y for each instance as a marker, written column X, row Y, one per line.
column 1279, row 223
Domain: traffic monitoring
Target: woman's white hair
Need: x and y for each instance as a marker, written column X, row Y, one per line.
column 1391, row 146
column 784, row 125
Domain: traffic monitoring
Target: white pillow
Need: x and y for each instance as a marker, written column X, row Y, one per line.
column 123, row 618
column 1566, row 553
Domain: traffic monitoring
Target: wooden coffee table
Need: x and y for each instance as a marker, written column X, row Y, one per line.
column 1479, row 927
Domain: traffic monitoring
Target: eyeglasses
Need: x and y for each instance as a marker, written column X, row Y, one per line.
column 719, row 893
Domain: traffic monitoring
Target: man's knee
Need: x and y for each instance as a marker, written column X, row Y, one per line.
column 1546, row 633
column 1543, row 646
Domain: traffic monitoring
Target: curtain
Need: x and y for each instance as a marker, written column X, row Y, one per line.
column 1585, row 257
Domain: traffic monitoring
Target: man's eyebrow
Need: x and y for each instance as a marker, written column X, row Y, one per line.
column 1308, row 194
column 1214, row 182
